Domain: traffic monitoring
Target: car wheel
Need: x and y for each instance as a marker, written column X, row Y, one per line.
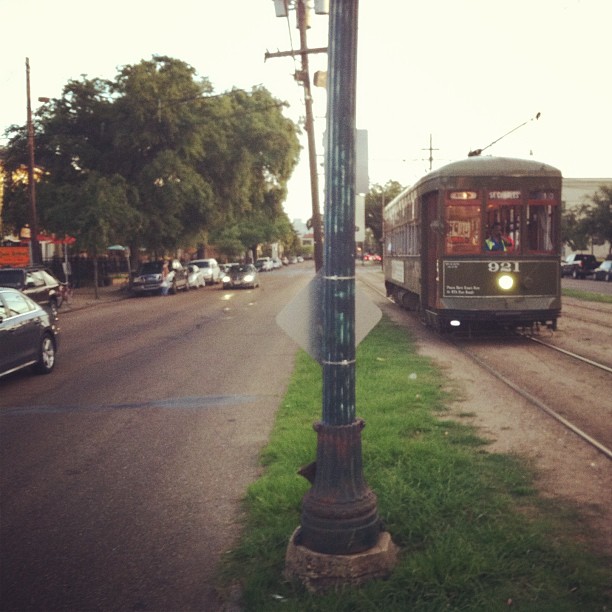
column 575, row 274
column 46, row 355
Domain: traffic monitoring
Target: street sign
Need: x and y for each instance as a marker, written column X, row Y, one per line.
column 301, row 318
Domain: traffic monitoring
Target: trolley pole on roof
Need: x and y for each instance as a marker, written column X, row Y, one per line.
column 339, row 521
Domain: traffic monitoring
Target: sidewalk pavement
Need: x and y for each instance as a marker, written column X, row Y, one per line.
column 84, row 297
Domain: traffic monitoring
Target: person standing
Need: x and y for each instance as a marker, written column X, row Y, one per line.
column 165, row 273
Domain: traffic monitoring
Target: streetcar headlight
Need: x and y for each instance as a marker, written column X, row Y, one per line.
column 505, row 282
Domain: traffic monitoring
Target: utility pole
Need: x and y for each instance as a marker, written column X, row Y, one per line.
column 34, row 248
column 304, row 77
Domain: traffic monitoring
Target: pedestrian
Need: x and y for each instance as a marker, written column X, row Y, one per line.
column 165, row 286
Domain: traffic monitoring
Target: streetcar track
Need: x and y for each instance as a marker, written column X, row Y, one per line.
column 522, row 392
column 595, row 364
column 536, row 402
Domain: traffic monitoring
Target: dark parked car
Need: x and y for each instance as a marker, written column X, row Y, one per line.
column 578, row 265
column 28, row 336
column 604, row 271
column 148, row 279
column 37, row 283
column 241, row 275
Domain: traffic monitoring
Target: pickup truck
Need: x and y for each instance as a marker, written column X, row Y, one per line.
column 578, row 265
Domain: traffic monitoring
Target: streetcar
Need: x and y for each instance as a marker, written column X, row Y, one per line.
column 476, row 243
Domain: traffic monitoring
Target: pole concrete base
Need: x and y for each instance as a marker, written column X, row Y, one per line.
column 323, row 572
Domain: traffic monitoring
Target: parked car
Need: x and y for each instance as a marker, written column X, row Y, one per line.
column 277, row 263
column 37, row 283
column 210, row 270
column 604, row 271
column 241, row 275
column 148, row 279
column 578, row 265
column 195, row 277
column 28, row 336
column 264, row 264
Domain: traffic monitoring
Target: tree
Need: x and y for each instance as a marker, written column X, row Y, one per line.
column 590, row 223
column 97, row 211
column 376, row 199
column 192, row 161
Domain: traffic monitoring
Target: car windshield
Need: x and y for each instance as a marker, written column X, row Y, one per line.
column 11, row 278
column 238, row 269
column 151, row 267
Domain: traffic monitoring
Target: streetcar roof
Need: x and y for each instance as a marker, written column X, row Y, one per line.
column 493, row 166
column 484, row 166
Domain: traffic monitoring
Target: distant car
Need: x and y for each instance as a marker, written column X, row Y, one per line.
column 604, row 271
column 210, row 270
column 241, row 275
column 195, row 277
column 28, row 336
column 37, row 283
column 578, row 265
column 276, row 263
column 264, row 264
column 148, row 279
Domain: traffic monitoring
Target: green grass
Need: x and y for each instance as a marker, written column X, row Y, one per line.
column 588, row 296
column 473, row 533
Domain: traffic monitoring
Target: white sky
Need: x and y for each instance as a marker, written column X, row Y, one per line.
column 465, row 71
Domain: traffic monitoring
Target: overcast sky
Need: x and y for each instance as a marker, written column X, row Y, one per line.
column 465, row 72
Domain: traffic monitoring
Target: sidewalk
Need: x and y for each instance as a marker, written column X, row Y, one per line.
column 84, row 297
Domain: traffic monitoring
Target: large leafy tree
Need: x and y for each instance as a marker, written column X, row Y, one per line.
column 192, row 161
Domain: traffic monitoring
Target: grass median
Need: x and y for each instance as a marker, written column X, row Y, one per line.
column 473, row 533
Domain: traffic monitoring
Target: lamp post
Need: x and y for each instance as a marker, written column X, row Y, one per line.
column 340, row 540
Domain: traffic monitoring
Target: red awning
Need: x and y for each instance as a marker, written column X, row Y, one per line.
column 55, row 240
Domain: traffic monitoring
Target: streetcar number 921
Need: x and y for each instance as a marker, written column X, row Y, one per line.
column 503, row 266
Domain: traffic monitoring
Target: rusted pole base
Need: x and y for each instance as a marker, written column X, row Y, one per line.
column 319, row 572
column 339, row 515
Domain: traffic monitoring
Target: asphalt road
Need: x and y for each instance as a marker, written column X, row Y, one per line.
column 122, row 471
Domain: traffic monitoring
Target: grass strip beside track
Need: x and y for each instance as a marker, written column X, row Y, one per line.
column 587, row 296
column 473, row 533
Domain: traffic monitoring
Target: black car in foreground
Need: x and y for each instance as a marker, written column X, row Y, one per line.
column 28, row 336
column 37, row 283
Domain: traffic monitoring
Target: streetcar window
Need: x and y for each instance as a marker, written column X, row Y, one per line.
column 508, row 217
column 462, row 229
column 540, row 228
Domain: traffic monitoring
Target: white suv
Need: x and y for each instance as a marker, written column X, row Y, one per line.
column 210, row 270
column 264, row 264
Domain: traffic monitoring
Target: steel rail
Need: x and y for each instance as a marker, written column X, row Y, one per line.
column 526, row 395
column 601, row 366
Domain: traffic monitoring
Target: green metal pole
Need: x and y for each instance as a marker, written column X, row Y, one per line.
column 339, row 514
